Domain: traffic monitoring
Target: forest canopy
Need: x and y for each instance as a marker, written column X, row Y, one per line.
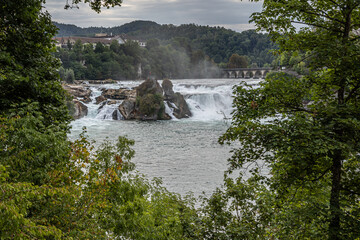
column 185, row 51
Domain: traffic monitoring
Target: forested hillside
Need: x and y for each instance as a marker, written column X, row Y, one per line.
column 190, row 42
column 73, row 30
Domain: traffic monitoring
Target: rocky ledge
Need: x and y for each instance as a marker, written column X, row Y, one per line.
column 77, row 96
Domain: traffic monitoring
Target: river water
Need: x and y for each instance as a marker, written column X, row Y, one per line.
column 184, row 153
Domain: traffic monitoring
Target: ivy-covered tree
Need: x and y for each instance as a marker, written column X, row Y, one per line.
column 305, row 130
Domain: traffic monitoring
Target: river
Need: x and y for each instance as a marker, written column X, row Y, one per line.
column 184, row 153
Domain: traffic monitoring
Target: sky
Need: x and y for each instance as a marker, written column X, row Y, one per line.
column 231, row 14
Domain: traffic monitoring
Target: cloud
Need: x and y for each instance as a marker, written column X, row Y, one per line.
column 234, row 14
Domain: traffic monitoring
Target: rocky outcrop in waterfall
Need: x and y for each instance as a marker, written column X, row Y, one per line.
column 128, row 109
column 150, row 101
column 100, row 99
column 175, row 100
column 80, row 95
column 118, row 94
column 150, row 86
column 78, row 109
column 145, row 102
column 78, row 91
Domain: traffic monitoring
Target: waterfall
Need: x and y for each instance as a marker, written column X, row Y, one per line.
column 110, row 111
column 208, row 99
column 103, row 110
column 169, row 110
column 207, row 103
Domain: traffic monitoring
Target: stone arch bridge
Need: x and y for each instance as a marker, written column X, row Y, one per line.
column 245, row 72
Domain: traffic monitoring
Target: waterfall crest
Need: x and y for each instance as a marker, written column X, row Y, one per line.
column 208, row 100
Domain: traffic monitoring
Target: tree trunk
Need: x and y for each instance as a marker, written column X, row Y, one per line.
column 335, row 211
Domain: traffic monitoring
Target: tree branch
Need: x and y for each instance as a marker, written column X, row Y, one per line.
column 352, row 92
column 322, row 175
column 318, row 25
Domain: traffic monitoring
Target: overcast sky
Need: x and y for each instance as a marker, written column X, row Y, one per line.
column 232, row 14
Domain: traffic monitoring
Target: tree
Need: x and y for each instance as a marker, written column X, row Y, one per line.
column 306, row 130
column 69, row 76
column 44, row 191
column 99, row 48
column 96, row 5
column 152, row 43
column 237, row 61
column 28, row 70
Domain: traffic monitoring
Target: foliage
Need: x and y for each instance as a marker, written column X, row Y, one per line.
column 237, row 61
column 51, row 188
column 96, row 5
column 217, row 43
column 72, row 30
column 89, row 194
column 28, row 70
column 151, row 104
column 295, row 61
column 69, row 76
column 123, row 61
column 305, row 130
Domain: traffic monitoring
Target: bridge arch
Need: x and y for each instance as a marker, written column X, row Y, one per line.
column 246, row 72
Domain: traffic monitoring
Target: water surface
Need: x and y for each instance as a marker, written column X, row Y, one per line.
column 184, row 153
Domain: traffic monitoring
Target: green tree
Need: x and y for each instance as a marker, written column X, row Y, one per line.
column 62, row 73
column 237, row 61
column 96, row 5
column 99, row 48
column 152, row 43
column 28, row 70
column 69, row 76
column 306, row 130
column 78, row 50
column 55, row 189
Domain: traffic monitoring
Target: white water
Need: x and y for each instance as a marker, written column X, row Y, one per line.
column 185, row 152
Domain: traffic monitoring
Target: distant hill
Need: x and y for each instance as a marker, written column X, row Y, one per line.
column 66, row 30
column 216, row 42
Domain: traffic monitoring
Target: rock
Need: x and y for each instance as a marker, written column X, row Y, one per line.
column 107, row 81
column 166, row 117
column 86, row 99
column 79, row 110
column 146, row 102
column 116, row 115
column 107, row 102
column 168, row 89
column 77, row 91
column 150, row 86
column 131, row 94
column 182, row 109
column 150, row 101
column 118, row 94
column 127, row 109
column 102, row 104
column 100, row 99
